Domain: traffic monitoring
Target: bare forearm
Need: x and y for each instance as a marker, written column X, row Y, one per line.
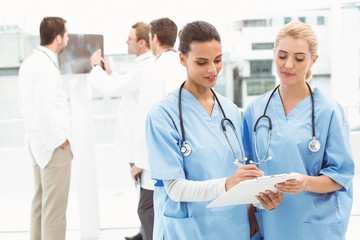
column 320, row 184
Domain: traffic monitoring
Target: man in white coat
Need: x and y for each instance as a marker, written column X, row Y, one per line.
column 44, row 107
column 163, row 77
column 128, row 86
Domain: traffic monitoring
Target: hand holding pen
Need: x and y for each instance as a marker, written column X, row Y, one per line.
column 243, row 173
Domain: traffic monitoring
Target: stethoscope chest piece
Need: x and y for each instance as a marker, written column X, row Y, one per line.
column 185, row 149
column 314, row 145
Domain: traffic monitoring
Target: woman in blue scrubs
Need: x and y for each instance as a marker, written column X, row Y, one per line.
column 188, row 176
column 310, row 135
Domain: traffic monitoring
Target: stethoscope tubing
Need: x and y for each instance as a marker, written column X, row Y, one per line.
column 186, row 148
column 314, row 145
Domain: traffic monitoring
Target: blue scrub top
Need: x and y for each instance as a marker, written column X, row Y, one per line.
column 305, row 215
column 211, row 158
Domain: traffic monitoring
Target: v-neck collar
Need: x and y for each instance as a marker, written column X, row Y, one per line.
column 280, row 108
column 199, row 108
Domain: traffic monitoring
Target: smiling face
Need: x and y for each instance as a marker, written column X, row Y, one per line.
column 203, row 63
column 293, row 60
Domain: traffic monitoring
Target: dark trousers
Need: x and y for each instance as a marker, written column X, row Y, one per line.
column 146, row 213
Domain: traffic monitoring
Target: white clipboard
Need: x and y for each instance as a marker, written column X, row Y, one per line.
column 244, row 192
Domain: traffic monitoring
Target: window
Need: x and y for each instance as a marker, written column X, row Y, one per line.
column 255, row 23
column 260, row 68
column 320, row 20
column 302, row 19
column 287, row 20
column 259, row 86
column 262, row 46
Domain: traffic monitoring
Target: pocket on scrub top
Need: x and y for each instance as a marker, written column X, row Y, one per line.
column 180, row 228
column 333, row 231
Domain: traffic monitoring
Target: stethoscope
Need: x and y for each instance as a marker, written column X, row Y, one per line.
column 166, row 50
column 48, row 56
column 185, row 148
column 314, row 144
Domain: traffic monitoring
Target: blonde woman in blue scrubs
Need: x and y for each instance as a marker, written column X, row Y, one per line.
column 310, row 135
column 188, row 176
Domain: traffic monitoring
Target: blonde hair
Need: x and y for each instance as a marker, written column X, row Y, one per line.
column 300, row 30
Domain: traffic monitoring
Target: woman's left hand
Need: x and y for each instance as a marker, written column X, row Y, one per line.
column 269, row 200
column 292, row 186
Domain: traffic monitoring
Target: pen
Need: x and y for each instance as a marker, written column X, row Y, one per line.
column 238, row 163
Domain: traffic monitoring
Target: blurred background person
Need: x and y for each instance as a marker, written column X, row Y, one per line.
column 163, row 77
column 44, row 107
column 128, row 86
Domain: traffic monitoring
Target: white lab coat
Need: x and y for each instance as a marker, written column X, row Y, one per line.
column 127, row 86
column 43, row 104
column 165, row 75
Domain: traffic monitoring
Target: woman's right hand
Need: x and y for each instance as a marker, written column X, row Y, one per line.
column 243, row 173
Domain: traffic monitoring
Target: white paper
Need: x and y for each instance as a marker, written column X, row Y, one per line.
column 244, row 192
